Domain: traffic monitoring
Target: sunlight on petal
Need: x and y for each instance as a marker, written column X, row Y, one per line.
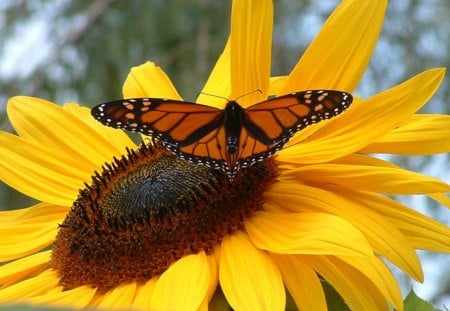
column 120, row 297
column 219, row 81
column 77, row 298
column 382, row 235
column 306, row 233
column 20, row 269
column 143, row 292
column 39, row 213
column 24, row 240
column 422, row 231
column 379, row 274
column 441, row 198
column 149, row 80
column 356, row 289
column 420, row 135
column 50, row 125
column 247, row 275
column 389, row 180
column 214, row 277
column 35, row 286
column 189, row 277
column 302, row 282
column 39, row 172
column 363, row 123
column 276, row 84
column 116, row 139
column 338, row 56
column 250, row 44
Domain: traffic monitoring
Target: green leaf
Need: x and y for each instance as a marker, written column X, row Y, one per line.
column 218, row 301
column 334, row 300
column 415, row 303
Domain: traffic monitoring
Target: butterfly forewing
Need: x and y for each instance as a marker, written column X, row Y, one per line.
column 268, row 125
column 170, row 120
column 277, row 119
column 198, row 133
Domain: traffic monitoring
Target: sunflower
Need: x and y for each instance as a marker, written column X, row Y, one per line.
column 122, row 226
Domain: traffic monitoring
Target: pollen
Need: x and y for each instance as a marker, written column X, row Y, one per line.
column 148, row 209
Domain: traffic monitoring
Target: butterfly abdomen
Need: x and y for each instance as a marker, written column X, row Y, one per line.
column 233, row 114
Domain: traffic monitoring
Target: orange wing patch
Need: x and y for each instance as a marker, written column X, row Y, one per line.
column 252, row 150
column 210, row 146
column 277, row 119
column 226, row 139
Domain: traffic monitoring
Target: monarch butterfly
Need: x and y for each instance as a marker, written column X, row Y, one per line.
column 227, row 139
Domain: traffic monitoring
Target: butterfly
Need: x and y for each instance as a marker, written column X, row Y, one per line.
column 227, row 139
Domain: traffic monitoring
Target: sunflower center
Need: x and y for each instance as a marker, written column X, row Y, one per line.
column 147, row 210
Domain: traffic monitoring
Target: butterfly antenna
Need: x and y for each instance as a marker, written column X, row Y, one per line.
column 227, row 99
column 213, row 95
column 258, row 90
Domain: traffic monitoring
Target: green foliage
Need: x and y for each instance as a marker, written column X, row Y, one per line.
column 334, row 300
column 415, row 303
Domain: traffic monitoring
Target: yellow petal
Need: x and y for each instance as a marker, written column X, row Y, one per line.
column 141, row 300
column 421, row 135
column 354, row 287
column 380, row 275
column 365, row 122
column 219, row 81
column 302, row 282
column 20, row 269
column 251, row 42
column 11, row 215
column 422, row 231
column 277, row 84
column 149, row 80
column 383, row 235
column 338, row 57
column 38, row 285
column 77, row 298
column 117, row 139
column 306, row 233
column 248, row 277
column 50, row 125
column 214, row 279
column 189, row 278
column 23, row 240
column 38, row 172
column 441, row 198
column 41, row 212
column 120, row 297
column 369, row 178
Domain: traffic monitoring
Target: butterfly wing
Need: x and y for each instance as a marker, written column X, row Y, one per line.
column 268, row 125
column 196, row 132
column 192, row 131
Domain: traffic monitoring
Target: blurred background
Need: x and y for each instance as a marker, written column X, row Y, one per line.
column 81, row 51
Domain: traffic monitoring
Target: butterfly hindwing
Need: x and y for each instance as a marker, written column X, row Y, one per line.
column 252, row 150
column 206, row 135
column 209, row 150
